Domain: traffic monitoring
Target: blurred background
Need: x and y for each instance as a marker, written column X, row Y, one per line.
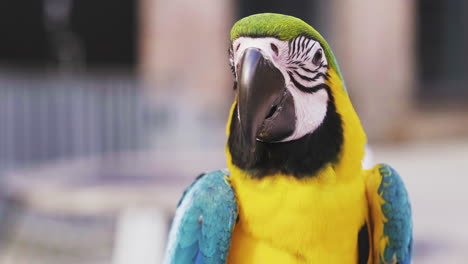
column 109, row 109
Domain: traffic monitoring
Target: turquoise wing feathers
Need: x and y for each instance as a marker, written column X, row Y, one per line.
column 202, row 226
column 397, row 211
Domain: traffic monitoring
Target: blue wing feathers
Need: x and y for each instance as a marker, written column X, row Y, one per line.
column 202, row 227
column 397, row 210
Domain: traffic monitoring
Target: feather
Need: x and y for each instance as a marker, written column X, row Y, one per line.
column 203, row 223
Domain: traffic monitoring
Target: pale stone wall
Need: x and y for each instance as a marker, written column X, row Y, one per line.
column 373, row 42
column 183, row 50
column 183, row 47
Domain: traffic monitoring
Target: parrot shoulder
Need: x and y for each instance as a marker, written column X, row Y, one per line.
column 390, row 213
column 203, row 222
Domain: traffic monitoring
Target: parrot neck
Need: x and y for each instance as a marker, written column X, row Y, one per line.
column 347, row 153
column 349, row 163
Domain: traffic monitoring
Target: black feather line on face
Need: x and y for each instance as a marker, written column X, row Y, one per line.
column 298, row 43
column 318, row 75
column 304, row 89
column 230, row 53
column 299, row 46
column 231, row 65
column 303, row 43
column 293, row 51
column 309, row 79
column 309, row 71
column 308, row 40
column 300, row 158
column 316, row 70
column 307, row 52
column 231, row 61
column 234, row 86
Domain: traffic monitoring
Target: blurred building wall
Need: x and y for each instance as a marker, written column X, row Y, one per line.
column 184, row 48
column 375, row 43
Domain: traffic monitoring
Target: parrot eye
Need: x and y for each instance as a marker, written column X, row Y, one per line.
column 274, row 48
column 317, row 57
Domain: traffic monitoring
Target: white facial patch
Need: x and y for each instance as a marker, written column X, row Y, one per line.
column 303, row 63
column 310, row 109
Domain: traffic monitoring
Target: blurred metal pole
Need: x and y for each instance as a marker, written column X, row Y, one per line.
column 66, row 47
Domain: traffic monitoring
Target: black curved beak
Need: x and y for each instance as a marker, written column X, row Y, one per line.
column 266, row 108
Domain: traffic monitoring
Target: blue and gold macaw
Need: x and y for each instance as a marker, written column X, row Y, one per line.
column 295, row 190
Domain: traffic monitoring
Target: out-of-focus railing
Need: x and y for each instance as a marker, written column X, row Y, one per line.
column 61, row 116
column 100, row 143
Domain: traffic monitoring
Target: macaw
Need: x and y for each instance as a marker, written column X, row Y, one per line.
column 294, row 190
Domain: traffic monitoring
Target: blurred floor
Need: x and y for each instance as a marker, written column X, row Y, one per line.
column 435, row 175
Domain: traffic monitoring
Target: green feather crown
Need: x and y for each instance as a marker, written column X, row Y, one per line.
column 281, row 27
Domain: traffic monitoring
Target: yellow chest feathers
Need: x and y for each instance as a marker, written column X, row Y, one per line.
column 314, row 219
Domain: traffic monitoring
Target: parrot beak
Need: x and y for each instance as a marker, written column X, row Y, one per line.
column 266, row 108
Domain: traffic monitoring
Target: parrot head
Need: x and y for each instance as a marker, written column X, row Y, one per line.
column 286, row 117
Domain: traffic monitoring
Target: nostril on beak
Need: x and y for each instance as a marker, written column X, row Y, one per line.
column 272, row 111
